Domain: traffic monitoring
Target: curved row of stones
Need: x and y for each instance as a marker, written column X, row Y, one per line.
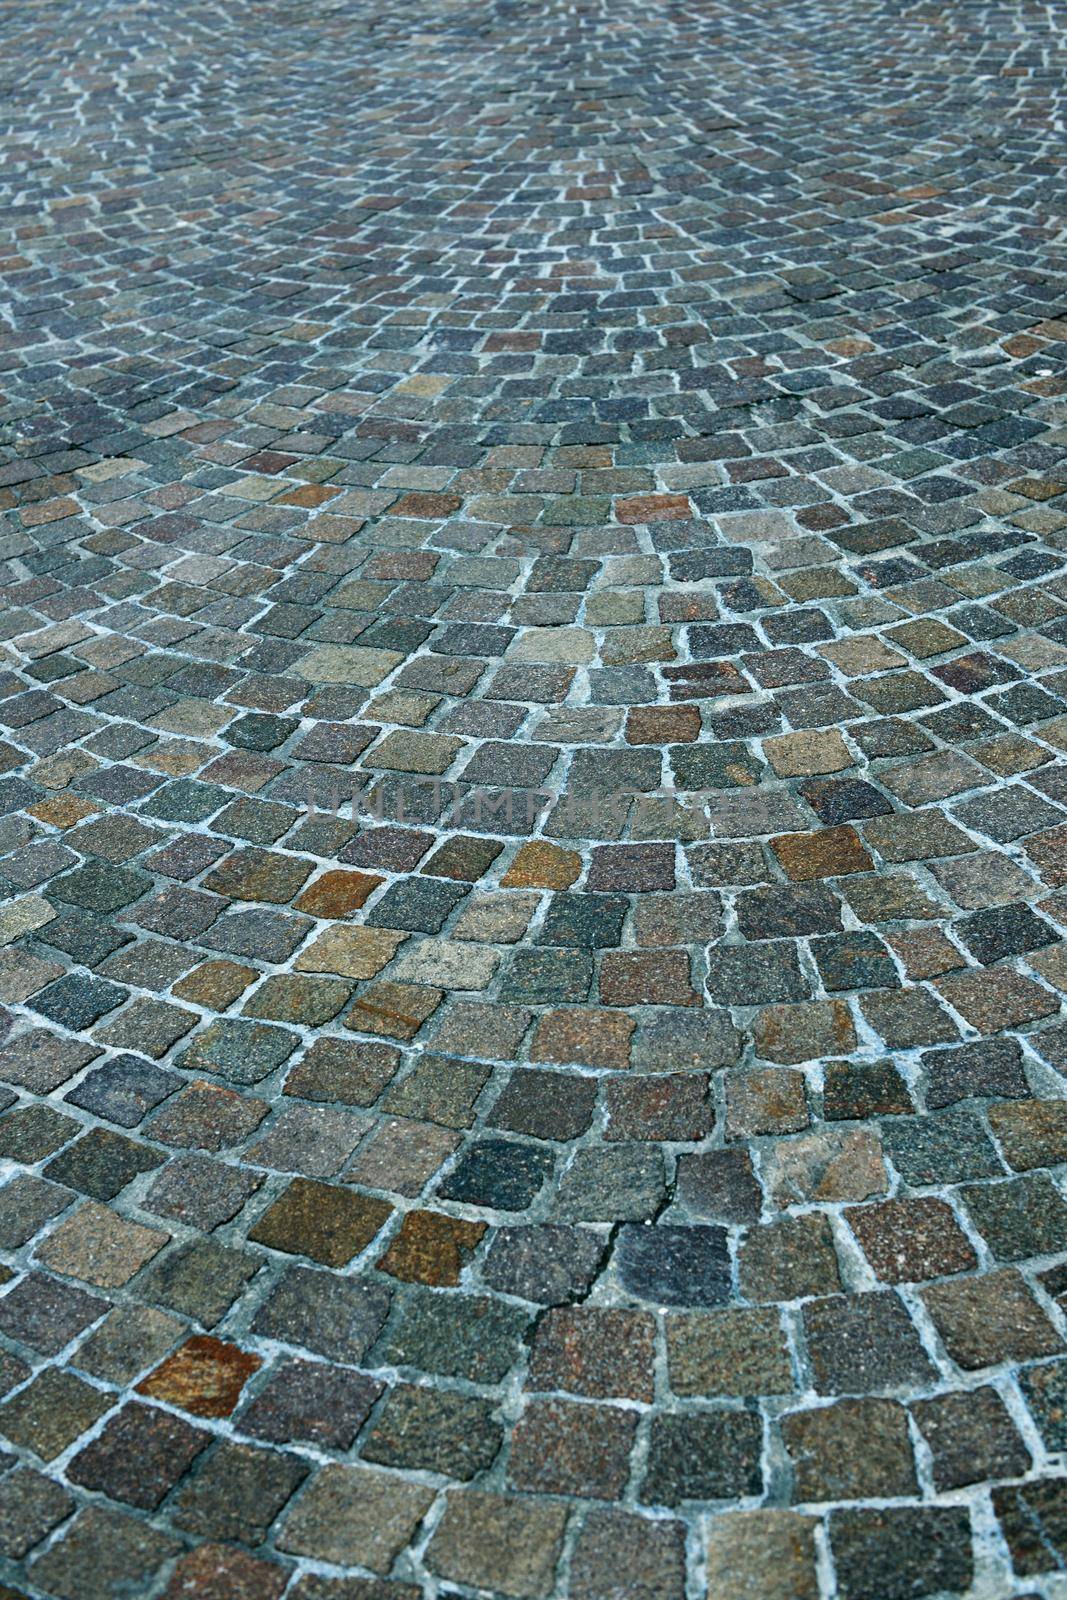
column 534, row 701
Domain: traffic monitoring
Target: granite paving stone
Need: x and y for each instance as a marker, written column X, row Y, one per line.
column 355, row 1515
column 763, row 1555
column 221, row 1572
column 31, row 1505
column 618, row 1553
column 98, row 1246
column 130, row 1339
column 102, row 1553
column 1031, row 1520
column 491, row 1540
column 204, row 1377
column 51, row 1412
column 848, row 1451
column 452, row 1434
column 864, row 1343
column 901, row 1551
column 971, row 1438
column 139, row 1456
column 47, row 1313
column 328, row 1223
column 562, row 1447
column 703, row 1455
column 533, row 801
column 236, row 1492
column 26, row 1204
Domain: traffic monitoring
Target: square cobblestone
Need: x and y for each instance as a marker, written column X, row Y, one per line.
column 493, row 1541
column 533, row 802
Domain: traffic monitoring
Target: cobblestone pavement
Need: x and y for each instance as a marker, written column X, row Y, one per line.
column 623, row 1157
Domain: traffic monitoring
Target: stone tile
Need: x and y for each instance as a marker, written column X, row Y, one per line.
column 789, row 1259
column 320, row 1220
column 562, row 1447
column 943, row 1147
column 1022, row 1217
column 101, row 1163
column 545, row 1262
column 719, row 1185
column 890, row 1553
column 355, row 1516
column 242, row 1052
column 26, row 1204
column 205, row 1377
column 313, row 1140
column 431, row 1248
column 624, row 1555
column 46, row 1313
column 50, row 1413
column 418, row 1428
column 583, row 1038
column 207, row 1116
column 670, row 1107
column 139, row 1456
column 909, row 1240
column 853, row 1450
column 738, row 1352
column 860, row 1089
column 495, row 1541
column 763, row 1555
column 1044, row 1389
column 200, row 1279
column 545, row 1105
column 313, row 1587
column 200, row 1192
column 124, row 1089
column 310, row 1400
column 463, row 1336
column 219, row 1572
column 352, row 1072
column 862, row 1344
column 708, row 1455
column 985, row 1320
column 1031, row 1133
column 676, row 1266
column 31, row 1505
column 40, row 1060
column 236, row 1492
column 971, row 1438
column 771, row 1100
column 796, row 1033
column 102, row 1553
column 401, row 1155
column 594, row 1351
column 983, row 1068
column 618, row 1182
column 828, row 1164
column 98, row 1246
column 332, row 1316
column 438, row 1089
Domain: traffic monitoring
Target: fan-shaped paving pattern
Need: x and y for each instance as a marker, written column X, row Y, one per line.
column 621, row 444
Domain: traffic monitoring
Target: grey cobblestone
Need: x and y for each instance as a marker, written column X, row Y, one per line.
column 533, row 779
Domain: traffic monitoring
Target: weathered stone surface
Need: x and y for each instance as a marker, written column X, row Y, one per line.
column 354, row 1515
column 533, row 801
column 491, row 1541
column 763, row 1555
column 832, row 1164
column 739, row 1352
column 205, row 1377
